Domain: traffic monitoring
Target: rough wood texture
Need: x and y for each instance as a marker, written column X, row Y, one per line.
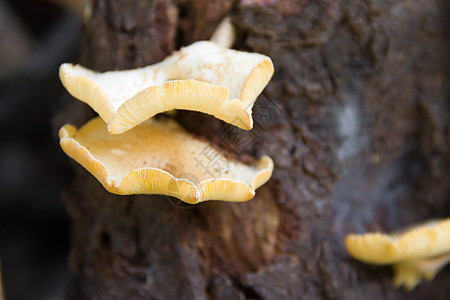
column 356, row 119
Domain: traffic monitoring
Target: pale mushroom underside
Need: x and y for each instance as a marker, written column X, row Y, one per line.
column 159, row 157
column 409, row 273
column 201, row 77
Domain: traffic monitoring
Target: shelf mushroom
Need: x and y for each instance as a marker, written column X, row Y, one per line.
column 202, row 77
column 415, row 254
column 160, row 157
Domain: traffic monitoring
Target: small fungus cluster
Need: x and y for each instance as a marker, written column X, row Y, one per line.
column 415, row 254
column 130, row 152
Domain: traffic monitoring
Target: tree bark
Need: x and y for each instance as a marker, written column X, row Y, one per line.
column 355, row 118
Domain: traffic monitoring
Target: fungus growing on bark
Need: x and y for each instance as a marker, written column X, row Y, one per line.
column 148, row 159
column 415, row 253
column 201, row 77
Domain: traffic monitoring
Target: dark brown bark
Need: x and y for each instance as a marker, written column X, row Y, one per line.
column 355, row 118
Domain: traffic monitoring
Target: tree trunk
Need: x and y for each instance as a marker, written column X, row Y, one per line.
column 355, row 118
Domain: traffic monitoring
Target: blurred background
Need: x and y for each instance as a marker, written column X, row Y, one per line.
column 35, row 38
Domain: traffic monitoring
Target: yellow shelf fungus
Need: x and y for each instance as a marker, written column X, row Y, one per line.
column 416, row 253
column 159, row 157
column 201, row 77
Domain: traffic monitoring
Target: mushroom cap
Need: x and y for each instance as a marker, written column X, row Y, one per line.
column 201, row 77
column 426, row 240
column 159, row 157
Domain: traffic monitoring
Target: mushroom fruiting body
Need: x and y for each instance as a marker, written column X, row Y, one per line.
column 415, row 253
column 409, row 273
column 159, row 157
column 201, row 77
